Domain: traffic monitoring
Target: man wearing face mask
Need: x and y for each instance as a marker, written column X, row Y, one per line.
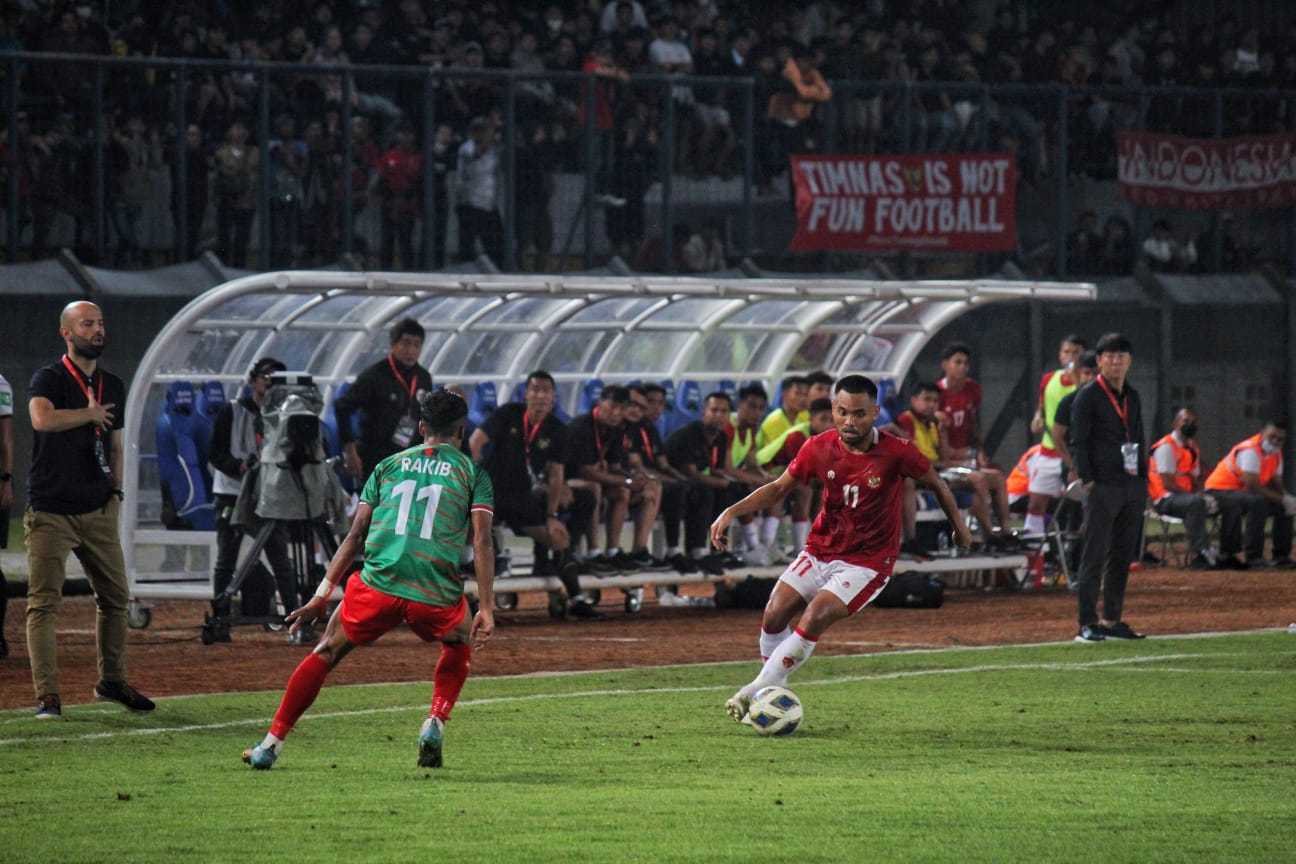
column 1175, row 485
column 1249, row 481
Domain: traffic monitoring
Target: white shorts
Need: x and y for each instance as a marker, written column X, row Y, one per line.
column 854, row 585
column 1045, row 475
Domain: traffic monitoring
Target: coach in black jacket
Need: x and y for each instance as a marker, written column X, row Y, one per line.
column 1110, row 454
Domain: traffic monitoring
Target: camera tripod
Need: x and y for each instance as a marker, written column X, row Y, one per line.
column 302, row 536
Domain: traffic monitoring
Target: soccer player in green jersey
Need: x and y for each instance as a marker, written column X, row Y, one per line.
column 412, row 521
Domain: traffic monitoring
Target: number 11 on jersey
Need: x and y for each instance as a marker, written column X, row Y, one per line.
column 405, row 491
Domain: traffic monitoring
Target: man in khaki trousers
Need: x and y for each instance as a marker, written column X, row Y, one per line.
column 73, row 504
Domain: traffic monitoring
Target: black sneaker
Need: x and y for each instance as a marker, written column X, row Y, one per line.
column 1121, row 630
column 123, row 693
column 48, row 707
column 1284, row 563
column 625, row 564
column 601, row 565
column 1200, row 562
column 730, row 561
column 710, row 565
column 682, row 563
column 644, row 560
column 1232, row 562
column 582, row 610
column 1090, row 633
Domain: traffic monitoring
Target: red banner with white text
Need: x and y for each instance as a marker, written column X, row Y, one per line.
column 1207, row 173
column 963, row 202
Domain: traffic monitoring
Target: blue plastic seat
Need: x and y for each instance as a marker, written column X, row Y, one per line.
column 590, row 393
column 688, row 405
column 186, row 502
column 482, row 401
column 729, row 387
column 208, row 402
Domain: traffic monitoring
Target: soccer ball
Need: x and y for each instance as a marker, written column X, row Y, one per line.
column 774, row 711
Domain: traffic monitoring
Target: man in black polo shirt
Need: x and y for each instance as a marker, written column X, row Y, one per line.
column 525, row 463
column 73, row 504
column 1110, row 453
column 645, row 451
column 387, row 396
column 596, row 454
column 700, row 451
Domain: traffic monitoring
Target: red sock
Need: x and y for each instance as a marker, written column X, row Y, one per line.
column 448, row 680
column 303, row 687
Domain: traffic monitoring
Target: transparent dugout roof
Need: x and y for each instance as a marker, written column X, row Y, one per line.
column 498, row 328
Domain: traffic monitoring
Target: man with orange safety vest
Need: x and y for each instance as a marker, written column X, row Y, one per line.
column 1249, row 480
column 1175, row 485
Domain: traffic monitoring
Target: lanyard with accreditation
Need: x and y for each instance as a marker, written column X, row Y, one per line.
column 405, row 429
column 1129, row 449
column 100, row 452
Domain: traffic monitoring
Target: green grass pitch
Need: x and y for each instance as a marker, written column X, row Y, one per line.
column 1177, row 749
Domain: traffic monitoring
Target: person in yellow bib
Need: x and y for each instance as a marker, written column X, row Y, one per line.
column 1249, row 481
column 1048, row 471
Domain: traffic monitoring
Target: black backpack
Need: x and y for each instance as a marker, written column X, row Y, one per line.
column 912, row 590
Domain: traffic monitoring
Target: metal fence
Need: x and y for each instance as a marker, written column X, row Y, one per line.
column 587, row 168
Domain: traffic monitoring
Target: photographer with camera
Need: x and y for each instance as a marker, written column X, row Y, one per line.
column 235, row 446
column 387, row 396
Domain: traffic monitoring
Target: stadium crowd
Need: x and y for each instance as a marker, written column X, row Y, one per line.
column 803, row 58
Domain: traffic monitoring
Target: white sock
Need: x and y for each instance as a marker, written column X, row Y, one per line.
column 672, row 551
column 800, row 530
column 769, row 530
column 785, row 659
column 591, row 553
column 750, row 535
column 1034, row 524
column 270, row 742
column 613, row 551
column 700, row 552
column 770, row 641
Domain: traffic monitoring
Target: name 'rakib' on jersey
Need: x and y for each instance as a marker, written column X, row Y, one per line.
column 422, row 499
column 860, row 519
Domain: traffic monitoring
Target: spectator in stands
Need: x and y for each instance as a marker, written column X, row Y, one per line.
column 621, row 16
column 138, row 156
column 386, row 395
column 1084, row 245
column 400, row 196
column 1249, row 482
column 1116, row 254
column 717, row 140
column 962, row 442
column 289, row 159
column 596, row 453
column 671, row 56
column 234, row 451
column 700, row 452
column 197, row 177
column 635, row 156
column 235, row 188
column 607, row 74
column 533, row 174
column 704, row 251
column 790, row 112
column 1175, row 485
column 1163, row 253
column 1107, row 426
column 1232, row 257
column 526, row 445
column 476, row 192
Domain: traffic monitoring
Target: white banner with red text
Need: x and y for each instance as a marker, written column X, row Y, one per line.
column 963, row 202
column 1207, row 173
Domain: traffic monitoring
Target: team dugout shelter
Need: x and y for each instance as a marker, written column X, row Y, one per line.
column 486, row 333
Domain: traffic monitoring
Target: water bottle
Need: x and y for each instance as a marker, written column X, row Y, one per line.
column 972, row 458
column 943, row 543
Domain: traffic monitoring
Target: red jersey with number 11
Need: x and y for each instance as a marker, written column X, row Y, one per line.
column 862, row 493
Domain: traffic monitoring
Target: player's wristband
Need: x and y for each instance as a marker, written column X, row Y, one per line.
column 325, row 589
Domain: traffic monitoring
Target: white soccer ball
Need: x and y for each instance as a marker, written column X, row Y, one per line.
column 774, row 711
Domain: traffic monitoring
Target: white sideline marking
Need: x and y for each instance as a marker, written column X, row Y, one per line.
column 653, row 691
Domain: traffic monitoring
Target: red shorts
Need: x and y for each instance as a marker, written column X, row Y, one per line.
column 367, row 614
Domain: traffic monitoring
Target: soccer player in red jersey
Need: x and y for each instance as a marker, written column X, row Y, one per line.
column 853, row 544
